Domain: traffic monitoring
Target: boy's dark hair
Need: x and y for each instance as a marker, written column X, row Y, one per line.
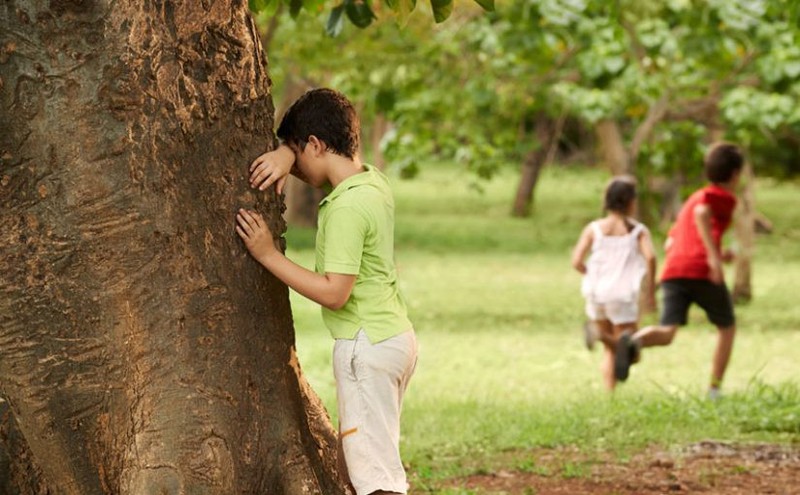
column 326, row 114
column 620, row 192
column 722, row 160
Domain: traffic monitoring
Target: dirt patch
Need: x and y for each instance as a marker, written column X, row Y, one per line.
column 710, row 468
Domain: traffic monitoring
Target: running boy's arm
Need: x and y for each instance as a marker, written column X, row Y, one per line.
column 702, row 218
column 581, row 248
column 273, row 167
column 331, row 290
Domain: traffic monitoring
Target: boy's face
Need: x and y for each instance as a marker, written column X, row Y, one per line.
column 307, row 159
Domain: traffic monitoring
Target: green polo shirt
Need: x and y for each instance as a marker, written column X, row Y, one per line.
column 355, row 236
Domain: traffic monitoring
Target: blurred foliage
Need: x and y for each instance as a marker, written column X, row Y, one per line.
column 361, row 13
column 470, row 89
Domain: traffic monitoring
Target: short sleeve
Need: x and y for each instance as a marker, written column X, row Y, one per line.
column 345, row 232
column 720, row 204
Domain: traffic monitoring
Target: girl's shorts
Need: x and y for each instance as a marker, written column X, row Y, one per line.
column 616, row 312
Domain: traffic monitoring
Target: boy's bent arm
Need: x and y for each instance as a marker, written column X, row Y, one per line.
column 702, row 219
column 272, row 167
column 331, row 290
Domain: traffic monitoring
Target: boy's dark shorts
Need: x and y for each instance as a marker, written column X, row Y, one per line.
column 679, row 293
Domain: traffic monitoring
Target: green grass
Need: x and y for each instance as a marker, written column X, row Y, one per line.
column 498, row 311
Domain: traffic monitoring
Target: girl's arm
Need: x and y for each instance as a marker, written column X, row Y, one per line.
column 649, row 255
column 581, row 248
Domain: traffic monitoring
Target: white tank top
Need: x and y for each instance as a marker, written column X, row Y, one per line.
column 615, row 267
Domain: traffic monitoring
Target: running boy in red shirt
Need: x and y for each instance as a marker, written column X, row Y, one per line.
column 693, row 267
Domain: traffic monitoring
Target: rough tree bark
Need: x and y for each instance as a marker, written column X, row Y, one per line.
column 141, row 350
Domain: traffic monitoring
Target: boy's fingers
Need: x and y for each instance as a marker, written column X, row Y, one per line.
column 253, row 219
column 256, row 175
column 280, row 184
column 267, row 182
column 260, row 174
column 245, row 224
column 256, row 162
column 241, row 233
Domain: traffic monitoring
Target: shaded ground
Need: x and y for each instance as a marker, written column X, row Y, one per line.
column 710, row 468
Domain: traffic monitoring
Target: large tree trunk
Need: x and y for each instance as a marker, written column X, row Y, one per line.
column 142, row 350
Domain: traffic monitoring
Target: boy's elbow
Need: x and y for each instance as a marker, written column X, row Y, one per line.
column 336, row 301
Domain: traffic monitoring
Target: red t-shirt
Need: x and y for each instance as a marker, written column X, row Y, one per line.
column 686, row 256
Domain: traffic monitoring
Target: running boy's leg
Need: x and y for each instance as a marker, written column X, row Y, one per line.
column 722, row 354
column 655, row 335
column 675, row 307
column 718, row 305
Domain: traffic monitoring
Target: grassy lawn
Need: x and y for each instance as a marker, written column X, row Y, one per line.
column 498, row 313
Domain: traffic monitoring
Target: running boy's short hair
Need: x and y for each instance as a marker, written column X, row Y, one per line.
column 326, row 114
column 722, row 160
column 620, row 192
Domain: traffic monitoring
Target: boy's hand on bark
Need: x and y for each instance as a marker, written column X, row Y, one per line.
column 255, row 233
column 273, row 167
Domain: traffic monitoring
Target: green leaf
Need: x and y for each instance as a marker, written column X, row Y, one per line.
column 441, row 9
column 294, row 7
column 487, row 5
column 385, row 100
column 335, row 21
column 402, row 9
column 258, row 5
column 359, row 12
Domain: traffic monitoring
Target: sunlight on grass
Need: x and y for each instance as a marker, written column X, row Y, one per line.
column 498, row 312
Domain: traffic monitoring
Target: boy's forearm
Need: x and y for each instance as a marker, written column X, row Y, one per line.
column 309, row 284
column 703, row 222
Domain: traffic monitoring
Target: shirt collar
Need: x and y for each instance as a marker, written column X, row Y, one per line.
column 355, row 180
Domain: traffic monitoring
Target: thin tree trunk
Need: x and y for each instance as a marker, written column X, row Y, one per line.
column 142, row 350
column 744, row 234
column 379, row 127
column 532, row 165
column 612, row 147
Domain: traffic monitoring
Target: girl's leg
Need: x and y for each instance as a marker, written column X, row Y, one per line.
column 607, row 337
column 610, row 351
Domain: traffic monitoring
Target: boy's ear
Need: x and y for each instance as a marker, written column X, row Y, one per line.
column 318, row 146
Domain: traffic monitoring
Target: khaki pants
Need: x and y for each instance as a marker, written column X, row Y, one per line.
column 370, row 382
